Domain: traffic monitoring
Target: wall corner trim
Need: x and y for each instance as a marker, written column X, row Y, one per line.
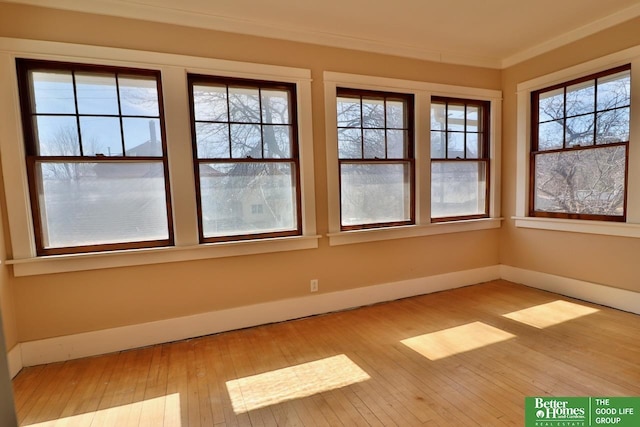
column 14, row 359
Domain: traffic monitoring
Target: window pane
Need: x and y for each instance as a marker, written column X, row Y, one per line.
column 349, row 114
column 275, row 107
column 246, row 141
column 244, row 105
column 277, row 142
column 142, row 137
column 455, row 119
column 613, row 126
column 474, row 123
column 213, row 141
column 438, row 112
column 455, row 147
column 350, row 143
column 551, row 105
column 210, row 103
column 397, row 144
column 53, row 92
column 396, row 117
column 57, row 136
column 231, row 194
column 100, row 203
column 96, row 93
column 551, row 135
column 374, row 145
column 589, row 181
column 438, row 145
column 579, row 130
column 101, row 135
column 375, row 193
column 614, row 91
column 138, row 96
column 373, row 114
column 458, row 189
column 581, row 98
column 474, row 146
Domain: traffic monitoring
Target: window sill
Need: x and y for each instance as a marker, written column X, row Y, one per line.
column 135, row 257
column 580, row 226
column 372, row 235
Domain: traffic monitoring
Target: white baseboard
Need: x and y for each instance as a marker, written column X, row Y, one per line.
column 14, row 360
column 587, row 291
column 117, row 339
column 127, row 337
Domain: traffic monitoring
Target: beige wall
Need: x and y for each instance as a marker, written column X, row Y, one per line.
column 61, row 304
column 606, row 260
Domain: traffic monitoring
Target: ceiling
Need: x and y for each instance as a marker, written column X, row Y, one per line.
column 489, row 33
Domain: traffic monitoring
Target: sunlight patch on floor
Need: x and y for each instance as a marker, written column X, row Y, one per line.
column 550, row 314
column 294, row 382
column 163, row 410
column 460, row 339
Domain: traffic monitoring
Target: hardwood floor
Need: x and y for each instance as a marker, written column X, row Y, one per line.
column 447, row 359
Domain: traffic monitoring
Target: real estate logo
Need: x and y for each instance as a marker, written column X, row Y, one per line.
column 557, row 411
column 582, row 411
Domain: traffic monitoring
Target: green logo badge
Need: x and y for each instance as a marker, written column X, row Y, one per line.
column 582, row 411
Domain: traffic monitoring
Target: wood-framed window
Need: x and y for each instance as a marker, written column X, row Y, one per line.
column 376, row 158
column 96, row 157
column 245, row 145
column 579, row 147
column 459, row 159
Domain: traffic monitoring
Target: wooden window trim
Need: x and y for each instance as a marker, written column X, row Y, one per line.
column 534, row 110
column 193, row 79
column 23, row 67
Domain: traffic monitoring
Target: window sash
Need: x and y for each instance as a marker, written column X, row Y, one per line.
column 482, row 184
column 473, row 133
column 206, row 235
column 36, row 183
column 394, row 122
column 379, row 191
column 220, row 212
column 574, row 208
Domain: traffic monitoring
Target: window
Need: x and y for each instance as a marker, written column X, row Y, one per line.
column 246, row 156
column 379, row 158
column 375, row 153
column 95, row 153
column 579, row 146
column 459, row 159
column 152, row 96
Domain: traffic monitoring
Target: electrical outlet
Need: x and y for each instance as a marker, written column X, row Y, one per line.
column 314, row 285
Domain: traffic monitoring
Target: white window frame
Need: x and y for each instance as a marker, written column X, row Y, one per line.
column 630, row 228
column 174, row 69
column 422, row 92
